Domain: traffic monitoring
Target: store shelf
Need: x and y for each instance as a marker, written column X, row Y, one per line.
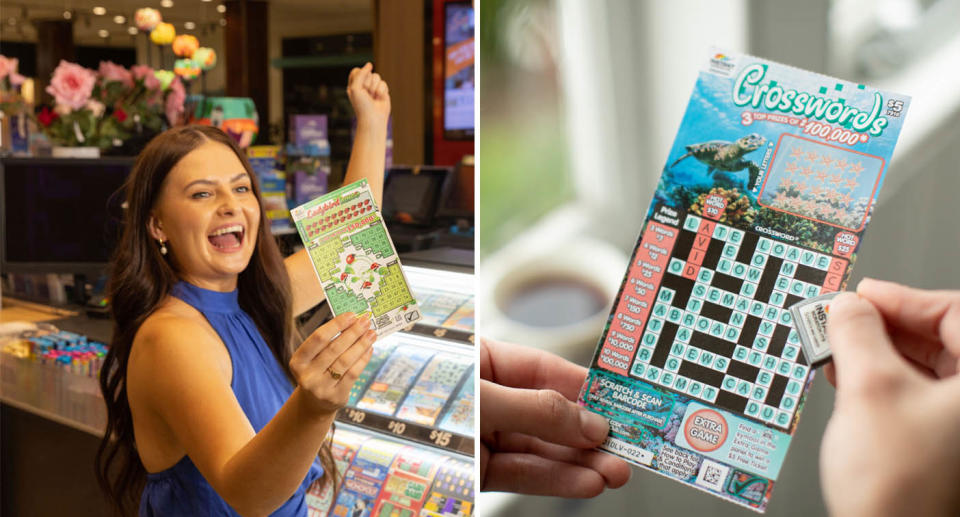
column 444, row 440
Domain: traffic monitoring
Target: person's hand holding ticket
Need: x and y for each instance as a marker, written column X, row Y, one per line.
column 534, row 439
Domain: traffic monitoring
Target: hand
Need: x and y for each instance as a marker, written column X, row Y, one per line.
column 329, row 361
column 369, row 95
column 924, row 325
column 534, row 439
column 891, row 445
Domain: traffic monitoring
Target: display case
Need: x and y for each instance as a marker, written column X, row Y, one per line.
column 404, row 444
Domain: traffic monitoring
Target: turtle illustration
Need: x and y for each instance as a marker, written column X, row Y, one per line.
column 720, row 155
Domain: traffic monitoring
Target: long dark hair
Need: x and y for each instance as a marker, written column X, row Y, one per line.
column 140, row 279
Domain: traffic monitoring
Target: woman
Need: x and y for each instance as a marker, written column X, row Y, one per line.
column 210, row 409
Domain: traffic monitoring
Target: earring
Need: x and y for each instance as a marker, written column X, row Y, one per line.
column 163, row 247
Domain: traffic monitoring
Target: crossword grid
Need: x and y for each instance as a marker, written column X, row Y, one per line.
column 720, row 330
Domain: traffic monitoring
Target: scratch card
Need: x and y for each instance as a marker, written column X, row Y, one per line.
column 762, row 204
column 436, row 384
column 354, row 257
column 452, row 492
column 365, row 478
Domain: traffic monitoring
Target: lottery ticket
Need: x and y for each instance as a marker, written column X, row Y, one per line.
column 762, row 203
column 354, row 258
column 365, row 478
column 459, row 416
column 452, row 492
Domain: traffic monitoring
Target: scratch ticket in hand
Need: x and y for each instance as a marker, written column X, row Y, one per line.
column 355, row 259
column 762, row 204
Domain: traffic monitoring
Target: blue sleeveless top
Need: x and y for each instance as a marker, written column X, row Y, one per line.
column 260, row 386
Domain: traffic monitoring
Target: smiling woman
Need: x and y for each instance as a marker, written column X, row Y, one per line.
column 215, row 406
column 207, row 206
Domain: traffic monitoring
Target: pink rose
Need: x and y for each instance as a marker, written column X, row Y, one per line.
column 146, row 73
column 8, row 65
column 112, row 72
column 72, row 84
column 175, row 98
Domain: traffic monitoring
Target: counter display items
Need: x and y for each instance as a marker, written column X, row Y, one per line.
column 763, row 203
column 354, row 258
column 383, row 477
column 446, row 303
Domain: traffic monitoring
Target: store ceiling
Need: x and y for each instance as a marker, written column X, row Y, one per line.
column 16, row 16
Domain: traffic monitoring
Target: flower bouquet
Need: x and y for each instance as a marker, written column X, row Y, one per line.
column 113, row 109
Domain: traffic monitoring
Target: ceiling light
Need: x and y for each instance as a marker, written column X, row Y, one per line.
column 132, row 31
column 189, row 26
column 166, row 3
column 119, row 20
column 221, row 8
column 103, row 33
column 68, row 14
column 12, row 21
column 99, row 11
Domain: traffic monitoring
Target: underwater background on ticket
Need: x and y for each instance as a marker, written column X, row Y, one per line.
column 763, row 202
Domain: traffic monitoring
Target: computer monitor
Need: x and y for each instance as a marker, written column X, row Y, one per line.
column 60, row 215
column 411, row 195
column 458, row 203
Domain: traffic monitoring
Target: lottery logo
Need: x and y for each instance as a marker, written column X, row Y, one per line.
column 706, row 430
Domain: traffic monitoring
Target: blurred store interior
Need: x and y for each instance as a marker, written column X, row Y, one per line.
column 273, row 75
column 581, row 103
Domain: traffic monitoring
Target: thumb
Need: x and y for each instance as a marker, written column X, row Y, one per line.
column 862, row 350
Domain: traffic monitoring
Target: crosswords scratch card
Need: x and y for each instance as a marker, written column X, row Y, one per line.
column 354, row 257
column 763, row 203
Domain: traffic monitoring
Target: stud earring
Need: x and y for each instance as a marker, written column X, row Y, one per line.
column 163, row 247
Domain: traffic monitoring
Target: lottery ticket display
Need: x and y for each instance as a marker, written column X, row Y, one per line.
column 763, row 203
column 382, row 477
column 446, row 303
column 354, row 258
column 419, row 388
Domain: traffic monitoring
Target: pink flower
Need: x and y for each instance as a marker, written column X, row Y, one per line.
column 113, row 72
column 146, row 73
column 175, row 99
column 72, row 84
column 8, row 65
column 16, row 79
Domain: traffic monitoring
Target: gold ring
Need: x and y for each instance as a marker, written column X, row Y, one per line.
column 336, row 376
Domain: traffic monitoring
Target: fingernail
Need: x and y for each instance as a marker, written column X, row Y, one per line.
column 371, row 334
column 351, row 316
column 593, row 426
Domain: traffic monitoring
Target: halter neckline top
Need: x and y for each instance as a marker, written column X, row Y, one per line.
column 261, row 387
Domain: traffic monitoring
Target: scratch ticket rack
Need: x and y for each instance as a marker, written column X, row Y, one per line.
column 764, row 200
